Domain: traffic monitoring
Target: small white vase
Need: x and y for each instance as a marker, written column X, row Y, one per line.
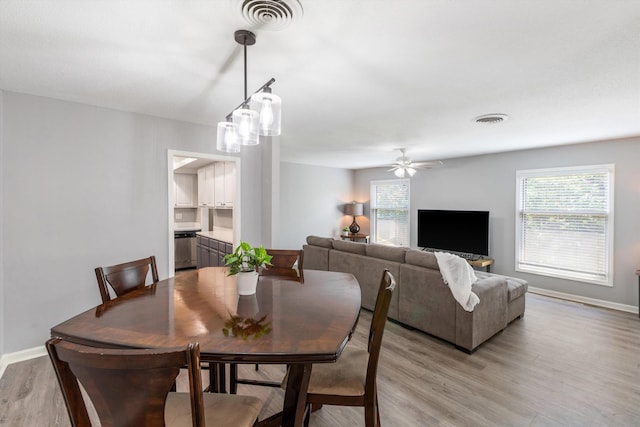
column 247, row 282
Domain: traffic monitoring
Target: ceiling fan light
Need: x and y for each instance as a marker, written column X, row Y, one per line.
column 411, row 171
column 247, row 121
column 399, row 172
column 228, row 140
column 269, row 106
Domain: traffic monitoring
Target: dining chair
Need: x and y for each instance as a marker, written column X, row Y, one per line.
column 124, row 278
column 131, row 388
column 351, row 381
column 286, row 264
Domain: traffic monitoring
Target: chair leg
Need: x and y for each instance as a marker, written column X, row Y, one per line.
column 222, row 378
column 371, row 416
column 233, row 378
column 213, row 377
column 307, row 414
column 256, row 366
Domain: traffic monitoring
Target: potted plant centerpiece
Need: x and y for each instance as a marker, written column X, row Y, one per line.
column 345, row 231
column 244, row 262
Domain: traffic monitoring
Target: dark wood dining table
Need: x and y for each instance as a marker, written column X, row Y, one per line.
column 285, row 322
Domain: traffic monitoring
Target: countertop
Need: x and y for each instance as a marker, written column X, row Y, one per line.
column 218, row 233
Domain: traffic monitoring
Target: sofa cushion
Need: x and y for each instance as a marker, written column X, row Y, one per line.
column 368, row 271
column 325, row 242
column 515, row 287
column 352, row 247
column 390, row 253
column 421, row 259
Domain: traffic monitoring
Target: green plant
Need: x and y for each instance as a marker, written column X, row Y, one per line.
column 346, row 229
column 246, row 258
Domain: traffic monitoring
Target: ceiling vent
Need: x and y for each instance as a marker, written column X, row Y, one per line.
column 491, row 118
column 271, row 14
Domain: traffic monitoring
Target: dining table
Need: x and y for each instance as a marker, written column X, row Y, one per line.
column 285, row 322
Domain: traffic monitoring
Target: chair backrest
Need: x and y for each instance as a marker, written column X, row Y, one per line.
column 383, row 300
column 126, row 387
column 283, row 262
column 126, row 277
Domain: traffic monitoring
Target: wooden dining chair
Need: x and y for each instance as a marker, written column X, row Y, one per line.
column 351, row 381
column 126, row 277
column 131, row 388
column 286, row 264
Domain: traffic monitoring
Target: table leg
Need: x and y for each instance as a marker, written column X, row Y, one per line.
column 295, row 397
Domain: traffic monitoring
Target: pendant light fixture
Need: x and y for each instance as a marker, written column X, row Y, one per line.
column 257, row 115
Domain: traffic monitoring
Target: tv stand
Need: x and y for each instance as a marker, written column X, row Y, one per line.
column 474, row 260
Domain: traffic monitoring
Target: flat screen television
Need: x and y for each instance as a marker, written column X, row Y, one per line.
column 455, row 231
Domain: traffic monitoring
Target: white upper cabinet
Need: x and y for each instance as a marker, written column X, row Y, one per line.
column 206, row 186
column 229, row 184
column 217, row 185
column 185, row 190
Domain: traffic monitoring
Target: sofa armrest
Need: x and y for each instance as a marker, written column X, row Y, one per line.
column 489, row 316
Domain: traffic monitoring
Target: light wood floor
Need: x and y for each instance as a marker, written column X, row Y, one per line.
column 563, row 364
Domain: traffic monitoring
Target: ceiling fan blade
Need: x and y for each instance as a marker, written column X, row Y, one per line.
column 427, row 164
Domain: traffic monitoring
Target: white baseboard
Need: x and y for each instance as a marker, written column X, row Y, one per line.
column 585, row 300
column 19, row 356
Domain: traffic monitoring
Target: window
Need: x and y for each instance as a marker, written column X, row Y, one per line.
column 564, row 224
column 390, row 212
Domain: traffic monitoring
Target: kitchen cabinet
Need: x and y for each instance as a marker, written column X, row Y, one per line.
column 229, row 184
column 185, row 190
column 206, row 186
column 211, row 252
column 225, row 184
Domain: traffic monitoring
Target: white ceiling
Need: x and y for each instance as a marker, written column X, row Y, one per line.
column 358, row 78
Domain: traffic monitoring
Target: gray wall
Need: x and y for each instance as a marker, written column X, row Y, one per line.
column 489, row 183
column 81, row 187
column 2, row 298
column 311, row 199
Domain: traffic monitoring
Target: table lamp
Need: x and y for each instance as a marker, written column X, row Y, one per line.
column 354, row 209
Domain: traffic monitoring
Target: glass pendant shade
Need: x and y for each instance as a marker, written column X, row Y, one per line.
column 269, row 106
column 228, row 139
column 247, row 121
column 399, row 173
column 411, row 171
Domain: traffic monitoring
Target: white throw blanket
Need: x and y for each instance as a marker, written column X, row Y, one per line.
column 459, row 275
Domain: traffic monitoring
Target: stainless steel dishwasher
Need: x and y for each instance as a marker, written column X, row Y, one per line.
column 185, row 249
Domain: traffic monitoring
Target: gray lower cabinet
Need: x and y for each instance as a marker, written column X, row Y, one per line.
column 211, row 252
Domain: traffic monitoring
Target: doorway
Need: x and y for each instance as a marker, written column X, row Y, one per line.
column 176, row 160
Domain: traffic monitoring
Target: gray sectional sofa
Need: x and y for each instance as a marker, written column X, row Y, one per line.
column 422, row 300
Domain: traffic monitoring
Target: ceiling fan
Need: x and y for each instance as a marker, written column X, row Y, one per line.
column 404, row 165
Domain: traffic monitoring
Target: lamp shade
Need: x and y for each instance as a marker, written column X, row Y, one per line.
column 269, row 106
column 227, row 140
column 354, row 209
column 247, row 121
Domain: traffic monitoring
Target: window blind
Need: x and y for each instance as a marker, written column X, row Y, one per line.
column 390, row 212
column 565, row 222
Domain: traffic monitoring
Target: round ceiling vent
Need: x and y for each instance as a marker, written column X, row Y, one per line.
column 491, row 118
column 271, row 14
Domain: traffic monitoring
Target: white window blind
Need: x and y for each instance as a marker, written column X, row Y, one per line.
column 390, row 212
column 565, row 223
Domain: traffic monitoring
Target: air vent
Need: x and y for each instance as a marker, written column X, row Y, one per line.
column 491, row 118
column 271, row 14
